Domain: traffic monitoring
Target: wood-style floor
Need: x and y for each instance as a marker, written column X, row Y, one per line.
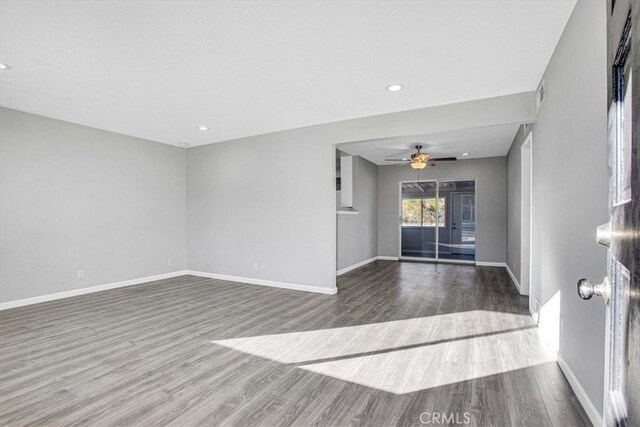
column 399, row 341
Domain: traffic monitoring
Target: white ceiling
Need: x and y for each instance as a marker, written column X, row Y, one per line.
column 158, row 69
column 487, row 141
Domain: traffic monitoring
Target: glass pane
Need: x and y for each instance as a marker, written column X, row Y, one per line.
column 623, row 169
column 418, row 219
column 430, row 212
column 411, row 212
column 457, row 220
column 468, row 218
column 618, row 324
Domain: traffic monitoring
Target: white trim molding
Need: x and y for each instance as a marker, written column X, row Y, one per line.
column 491, row 264
column 357, row 265
column 581, row 394
column 365, row 262
column 339, row 212
column 436, row 261
column 89, row 290
column 261, row 282
column 515, row 281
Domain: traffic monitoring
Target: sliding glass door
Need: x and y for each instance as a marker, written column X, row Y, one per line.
column 438, row 220
column 419, row 217
column 457, row 240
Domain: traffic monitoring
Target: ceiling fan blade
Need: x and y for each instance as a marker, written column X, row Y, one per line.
column 444, row 159
column 397, row 160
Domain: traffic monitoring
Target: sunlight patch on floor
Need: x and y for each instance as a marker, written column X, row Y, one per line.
column 549, row 324
column 414, row 369
column 403, row 356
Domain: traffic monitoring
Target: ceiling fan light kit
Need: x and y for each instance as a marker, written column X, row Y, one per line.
column 418, row 164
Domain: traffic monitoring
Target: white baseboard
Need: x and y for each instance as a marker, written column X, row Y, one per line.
column 515, row 281
column 261, row 282
column 581, row 394
column 388, row 258
column 89, row 290
column 491, row 264
column 357, row 265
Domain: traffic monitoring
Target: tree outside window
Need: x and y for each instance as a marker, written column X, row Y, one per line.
column 423, row 212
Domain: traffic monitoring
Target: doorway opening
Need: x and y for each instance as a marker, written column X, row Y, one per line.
column 438, row 220
column 526, row 213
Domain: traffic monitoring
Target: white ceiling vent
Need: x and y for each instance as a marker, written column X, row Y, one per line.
column 541, row 94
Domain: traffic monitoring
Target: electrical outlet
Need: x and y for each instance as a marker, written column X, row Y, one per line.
column 80, row 274
column 255, row 266
column 169, row 262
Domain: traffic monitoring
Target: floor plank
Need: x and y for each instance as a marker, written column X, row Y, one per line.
column 399, row 341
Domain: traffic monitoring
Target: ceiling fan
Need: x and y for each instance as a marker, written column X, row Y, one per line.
column 420, row 160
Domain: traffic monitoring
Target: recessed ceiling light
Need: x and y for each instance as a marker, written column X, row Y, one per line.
column 465, row 154
column 183, row 144
column 395, row 87
column 203, row 128
column 4, row 66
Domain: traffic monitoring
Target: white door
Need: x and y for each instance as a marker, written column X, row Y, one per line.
column 621, row 289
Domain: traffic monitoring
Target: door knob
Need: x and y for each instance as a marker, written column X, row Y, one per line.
column 586, row 289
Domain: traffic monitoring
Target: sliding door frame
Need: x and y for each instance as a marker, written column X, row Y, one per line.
column 410, row 258
column 437, row 229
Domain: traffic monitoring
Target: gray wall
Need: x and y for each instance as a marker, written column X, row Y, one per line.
column 491, row 202
column 358, row 234
column 291, row 233
column 514, row 202
column 294, row 241
column 570, row 190
column 77, row 198
column 268, row 200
